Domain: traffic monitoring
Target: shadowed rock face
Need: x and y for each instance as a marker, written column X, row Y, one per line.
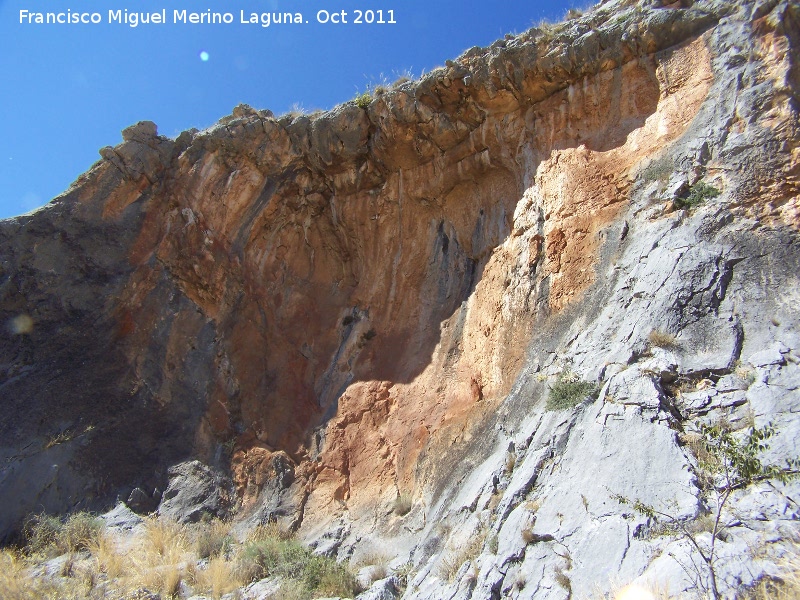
column 333, row 307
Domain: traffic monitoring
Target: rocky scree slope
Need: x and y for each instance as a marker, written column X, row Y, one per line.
column 335, row 311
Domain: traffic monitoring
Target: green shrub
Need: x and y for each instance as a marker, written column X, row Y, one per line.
column 363, row 100
column 698, row 193
column 260, row 558
column 80, row 532
column 404, row 573
column 272, row 557
column 49, row 535
column 569, row 391
column 40, row 533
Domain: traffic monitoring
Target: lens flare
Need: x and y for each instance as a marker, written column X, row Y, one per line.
column 20, row 324
column 204, row 56
column 634, row 592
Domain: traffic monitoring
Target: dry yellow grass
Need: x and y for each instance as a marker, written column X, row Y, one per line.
column 377, row 559
column 16, row 582
column 108, row 557
column 212, row 538
column 511, row 461
column 159, row 559
column 402, row 505
column 269, row 531
column 451, row 563
column 663, row 339
column 164, row 537
column 13, row 579
column 160, row 555
column 219, row 577
column 788, row 587
column 164, row 578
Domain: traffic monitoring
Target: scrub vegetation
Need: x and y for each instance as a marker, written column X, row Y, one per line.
column 80, row 558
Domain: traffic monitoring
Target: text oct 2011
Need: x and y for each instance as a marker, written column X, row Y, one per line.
column 184, row 17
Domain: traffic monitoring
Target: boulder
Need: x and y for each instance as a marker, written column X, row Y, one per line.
column 196, row 491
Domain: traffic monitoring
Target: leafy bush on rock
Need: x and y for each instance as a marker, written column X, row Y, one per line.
column 698, row 193
column 569, row 391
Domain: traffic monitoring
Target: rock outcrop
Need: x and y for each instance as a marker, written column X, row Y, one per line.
column 367, row 306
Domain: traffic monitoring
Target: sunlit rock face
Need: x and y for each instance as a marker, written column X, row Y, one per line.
column 341, row 309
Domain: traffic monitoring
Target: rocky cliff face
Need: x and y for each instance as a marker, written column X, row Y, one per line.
column 342, row 309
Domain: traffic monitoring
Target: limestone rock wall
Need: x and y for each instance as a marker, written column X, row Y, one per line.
column 347, row 308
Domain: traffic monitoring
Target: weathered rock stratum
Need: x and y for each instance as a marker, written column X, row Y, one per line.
column 331, row 312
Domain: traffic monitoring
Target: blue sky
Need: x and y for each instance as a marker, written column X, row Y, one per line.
column 68, row 90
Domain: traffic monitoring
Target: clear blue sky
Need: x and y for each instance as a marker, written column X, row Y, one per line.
column 68, row 90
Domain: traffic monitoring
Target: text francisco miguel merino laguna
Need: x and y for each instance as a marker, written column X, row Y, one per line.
column 134, row 19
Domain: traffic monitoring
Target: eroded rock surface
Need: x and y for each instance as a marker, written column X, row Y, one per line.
column 370, row 305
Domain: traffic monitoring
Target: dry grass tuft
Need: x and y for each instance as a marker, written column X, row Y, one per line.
column 164, row 538
column 212, row 538
column 219, row 577
column 663, row 339
column 745, row 373
column 533, row 505
column 80, row 531
column 563, row 580
column 371, row 557
column 46, row 535
column 402, row 505
column 527, row 535
column 16, row 582
column 455, row 557
column 494, row 500
column 511, row 461
column 269, row 531
column 108, row 556
column 160, row 558
column 40, row 533
column 787, row 585
column 520, row 581
column 706, row 460
column 377, row 561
